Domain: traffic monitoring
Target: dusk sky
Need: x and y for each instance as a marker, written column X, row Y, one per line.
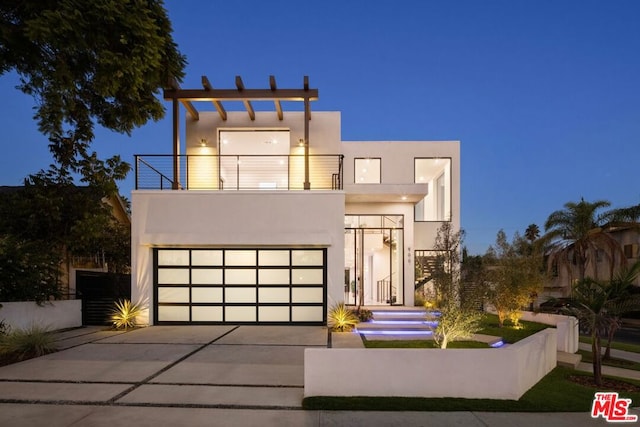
column 543, row 95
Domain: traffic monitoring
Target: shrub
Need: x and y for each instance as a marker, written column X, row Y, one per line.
column 124, row 314
column 24, row 344
column 341, row 318
column 363, row 314
column 418, row 299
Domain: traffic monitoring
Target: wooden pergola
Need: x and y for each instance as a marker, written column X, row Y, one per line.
column 187, row 97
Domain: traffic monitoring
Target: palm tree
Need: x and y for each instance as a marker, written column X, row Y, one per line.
column 621, row 284
column 532, row 232
column 575, row 235
column 598, row 305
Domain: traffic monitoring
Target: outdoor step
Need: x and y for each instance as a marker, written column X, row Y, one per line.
column 568, row 360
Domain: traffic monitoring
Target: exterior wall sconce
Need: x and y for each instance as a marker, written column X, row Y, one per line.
column 203, row 142
column 301, row 142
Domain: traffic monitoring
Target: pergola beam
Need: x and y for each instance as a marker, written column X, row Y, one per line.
column 173, row 83
column 272, row 84
column 246, row 102
column 219, row 107
column 245, row 95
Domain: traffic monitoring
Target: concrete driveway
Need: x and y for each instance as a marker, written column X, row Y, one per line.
column 207, row 366
column 197, row 376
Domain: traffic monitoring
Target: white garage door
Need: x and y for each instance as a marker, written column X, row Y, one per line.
column 276, row 286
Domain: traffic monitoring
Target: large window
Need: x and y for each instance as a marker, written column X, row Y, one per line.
column 435, row 173
column 367, row 171
column 254, row 159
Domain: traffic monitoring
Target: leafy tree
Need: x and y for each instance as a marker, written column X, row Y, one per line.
column 27, row 273
column 599, row 305
column 514, row 276
column 576, row 233
column 50, row 220
column 88, row 62
column 458, row 319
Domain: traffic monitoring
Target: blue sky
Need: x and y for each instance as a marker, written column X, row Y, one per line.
column 543, row 95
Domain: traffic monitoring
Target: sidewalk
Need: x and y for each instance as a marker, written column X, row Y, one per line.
column 611, row 370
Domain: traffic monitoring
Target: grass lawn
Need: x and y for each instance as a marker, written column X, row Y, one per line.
column 634, row 348
column 554, row 393
column 420, row 344
column 508, row 333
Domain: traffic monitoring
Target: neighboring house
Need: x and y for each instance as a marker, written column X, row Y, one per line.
column 269, row 217
column 627, row 236
column 91, row 262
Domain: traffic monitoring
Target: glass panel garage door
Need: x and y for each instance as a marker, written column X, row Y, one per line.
column 275, row 286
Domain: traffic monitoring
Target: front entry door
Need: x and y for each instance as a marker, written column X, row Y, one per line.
column 373, row 260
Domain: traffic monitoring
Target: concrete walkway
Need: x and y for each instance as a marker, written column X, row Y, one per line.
column 197, row 375
column 611, row 370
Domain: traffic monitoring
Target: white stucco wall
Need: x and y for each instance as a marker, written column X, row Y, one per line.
column 235, row 219
column 505, row 373
column 397, row 177
column 567, row 326
column 324, row 128
column 51, row 315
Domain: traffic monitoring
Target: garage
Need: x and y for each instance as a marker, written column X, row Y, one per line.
column 240, row 285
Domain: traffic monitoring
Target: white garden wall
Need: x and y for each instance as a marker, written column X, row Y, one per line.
column 567, row 326
column 504, row 373
column 52, row 315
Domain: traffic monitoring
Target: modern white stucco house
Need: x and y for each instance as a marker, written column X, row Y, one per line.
column 269, row 217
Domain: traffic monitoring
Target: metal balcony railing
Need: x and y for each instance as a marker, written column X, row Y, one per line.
column 225, row 172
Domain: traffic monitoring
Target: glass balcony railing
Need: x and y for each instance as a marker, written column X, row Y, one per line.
column 213, row 172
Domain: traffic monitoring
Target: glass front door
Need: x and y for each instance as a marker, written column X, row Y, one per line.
column 373, row 260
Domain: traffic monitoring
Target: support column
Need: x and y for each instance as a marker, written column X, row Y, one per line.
column 307, row 184
column 176, row 145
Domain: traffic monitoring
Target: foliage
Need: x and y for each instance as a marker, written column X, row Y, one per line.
column 4, row 328
column 363, row 314
column 89, row 62
column 419, row 299
column 124, row 314
column 458, row 319
column 514, row 277
column 599, row 305
column 50, row 220
column 29, row 271
column 576, row 235
column 509, row 333
column 26, row 343
column 532, row 233
column 341, row 318
column 455, row 323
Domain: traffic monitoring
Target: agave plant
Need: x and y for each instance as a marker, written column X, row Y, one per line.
column 341, row 318
column 124, row 314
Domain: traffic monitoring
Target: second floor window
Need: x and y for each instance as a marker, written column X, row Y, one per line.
column 367, row 171
column 436, row 174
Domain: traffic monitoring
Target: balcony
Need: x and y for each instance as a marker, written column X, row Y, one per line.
column 237, row 172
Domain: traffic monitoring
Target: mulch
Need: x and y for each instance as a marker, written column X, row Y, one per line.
column 608, row 384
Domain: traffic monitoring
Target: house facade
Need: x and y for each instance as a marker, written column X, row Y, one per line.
column 270, row 218
column 601, row 266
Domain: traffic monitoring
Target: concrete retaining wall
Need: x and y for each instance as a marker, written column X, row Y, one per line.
column 52, row 315
column 567, row 326
column 568, row 331
column 505, row 373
